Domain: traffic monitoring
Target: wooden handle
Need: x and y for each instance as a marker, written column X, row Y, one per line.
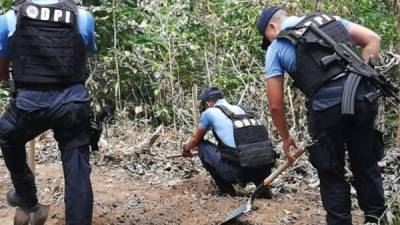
column 282, row 168
column 179, row 155
column 31, row 156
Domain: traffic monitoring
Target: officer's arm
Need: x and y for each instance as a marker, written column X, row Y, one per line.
column 197, row 136
column 367, row 39
column 4, row 65
column 276, row 100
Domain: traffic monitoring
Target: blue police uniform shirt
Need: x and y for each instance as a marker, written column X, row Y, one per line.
column 85, row 24
column 213, row 118
column 281, row 57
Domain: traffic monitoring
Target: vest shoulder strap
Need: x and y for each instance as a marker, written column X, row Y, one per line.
column 17, row 5
column 226, row 111
column 68, row 4
column 249, row 112
column 233, row 116
column 294, row 33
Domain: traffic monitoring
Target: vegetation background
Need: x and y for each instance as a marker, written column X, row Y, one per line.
column 151, row 53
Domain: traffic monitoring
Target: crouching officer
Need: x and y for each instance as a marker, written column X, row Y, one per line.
column 46, row 42
column 244, row 153
column 293, row 46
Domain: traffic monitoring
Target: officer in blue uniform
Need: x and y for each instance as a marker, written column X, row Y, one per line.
column 292, row 48
column 46, row 42
column 236, row 130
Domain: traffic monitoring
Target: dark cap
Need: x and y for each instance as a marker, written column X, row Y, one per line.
column 263, row 21
column 209, row 93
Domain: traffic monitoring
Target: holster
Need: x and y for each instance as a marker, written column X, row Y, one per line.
column 96, row 126
column 322, row 153
column 379, row 145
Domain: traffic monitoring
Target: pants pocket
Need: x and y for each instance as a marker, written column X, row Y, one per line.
column 378, row 144
column 322, row 153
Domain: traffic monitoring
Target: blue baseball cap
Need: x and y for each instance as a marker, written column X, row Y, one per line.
column 209, row 92
column 263, row 21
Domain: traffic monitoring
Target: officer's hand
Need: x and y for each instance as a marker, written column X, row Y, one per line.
column 186, row 153
column 287, row 143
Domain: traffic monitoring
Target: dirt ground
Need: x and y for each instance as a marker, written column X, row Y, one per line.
column 137, row 185
column 125, row 198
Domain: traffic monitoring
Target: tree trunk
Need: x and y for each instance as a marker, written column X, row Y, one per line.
column 318, row 4
column 397, row 9
column 398, row 52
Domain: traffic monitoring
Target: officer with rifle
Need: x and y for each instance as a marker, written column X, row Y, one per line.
column 46, row 43
column 243, row 154
column 318, row 51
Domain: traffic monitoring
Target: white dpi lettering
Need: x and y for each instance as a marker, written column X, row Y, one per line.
column 327, row 17
column 68, row 17
column 45, row 14
column 57, row 15
column 32, row 12
column 319, row 20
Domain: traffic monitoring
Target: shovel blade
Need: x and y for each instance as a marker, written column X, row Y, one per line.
column 246, row 207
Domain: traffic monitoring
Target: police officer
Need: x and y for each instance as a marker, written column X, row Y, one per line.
column 236, row 130
column 292, row 48
column 46, row 42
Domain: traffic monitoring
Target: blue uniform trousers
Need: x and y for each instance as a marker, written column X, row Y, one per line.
column 226, row 173
column 356, row 135
column 67, row 113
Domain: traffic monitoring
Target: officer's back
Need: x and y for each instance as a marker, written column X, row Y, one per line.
column 213, row 118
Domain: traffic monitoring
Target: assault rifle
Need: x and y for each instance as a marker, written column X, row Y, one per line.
column 357, row 69
column 96, row 126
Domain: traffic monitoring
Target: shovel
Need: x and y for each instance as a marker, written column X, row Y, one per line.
column 246, row 207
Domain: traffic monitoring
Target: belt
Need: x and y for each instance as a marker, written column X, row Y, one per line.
column 41, row 86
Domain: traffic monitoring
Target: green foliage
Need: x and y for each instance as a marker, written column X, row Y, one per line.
column 4, row 5
column 164, row 46
column 369, row 14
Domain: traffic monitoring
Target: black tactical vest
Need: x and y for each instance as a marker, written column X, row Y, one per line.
column 253, row 147
column 47, row 48
column 310, row 74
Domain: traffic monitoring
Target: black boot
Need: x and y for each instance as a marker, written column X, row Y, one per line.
column 15, row 201
column 266, row 193
column 226, row 190
column 40, row 216
column 37, row 214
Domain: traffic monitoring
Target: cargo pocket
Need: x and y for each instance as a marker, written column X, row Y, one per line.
column 378, row 144
column 322, row 153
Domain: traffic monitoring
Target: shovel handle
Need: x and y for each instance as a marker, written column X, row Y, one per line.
column 179, row 155
column 282, row 168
